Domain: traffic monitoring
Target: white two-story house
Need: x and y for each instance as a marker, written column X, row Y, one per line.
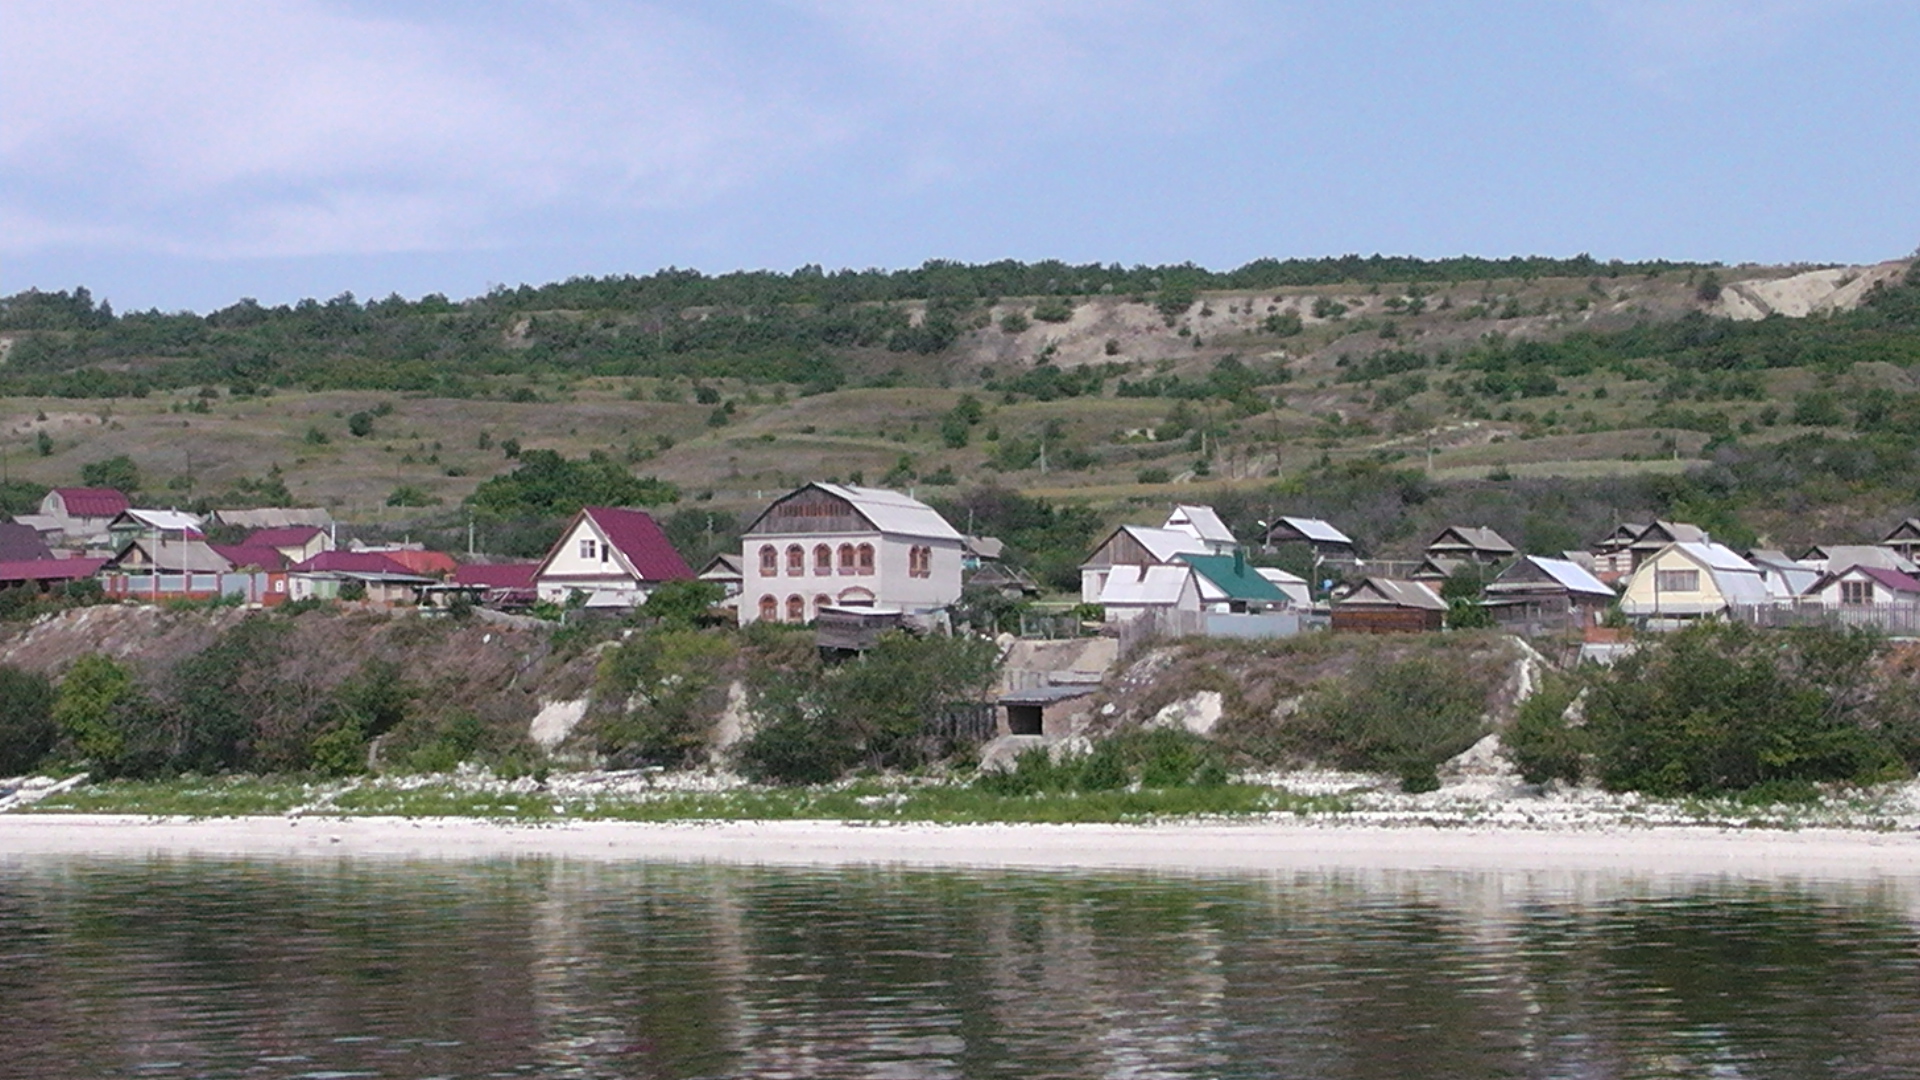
column 835, row 545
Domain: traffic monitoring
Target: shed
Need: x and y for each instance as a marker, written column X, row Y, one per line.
column 1325, row 541
column 1386, row 606
column 1044, row 710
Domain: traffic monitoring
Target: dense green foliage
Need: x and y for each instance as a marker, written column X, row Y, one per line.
column 547, row 485
column 27, row 728
column 1725, row 707
column 1147, row 759
column 1404, row 718
column 815, row 722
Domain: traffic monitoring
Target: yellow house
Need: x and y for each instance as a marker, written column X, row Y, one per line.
column 1691, row 580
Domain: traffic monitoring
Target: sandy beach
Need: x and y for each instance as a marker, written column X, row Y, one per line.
column 1263, row 846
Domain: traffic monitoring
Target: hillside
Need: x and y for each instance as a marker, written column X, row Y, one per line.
column 1765, row 402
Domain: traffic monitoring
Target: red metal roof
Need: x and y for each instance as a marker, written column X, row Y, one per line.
column 284, row 536
column 496, row 575
column 50, row 569
column 1892, row 579
column 93, row 502
column 251, row 554
column 353, row 562
column 635, row 535
column 429, row 563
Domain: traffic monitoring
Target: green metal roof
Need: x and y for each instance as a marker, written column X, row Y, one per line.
column 1236, row 577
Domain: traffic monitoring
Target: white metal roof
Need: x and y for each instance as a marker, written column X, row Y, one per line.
column 1839, row 557
column 1136, row 585
column 1201, row 521
column 1315, row 529
column 892, row 512
column 1164, row 544
column 1571, row 575
column 1377, row 592
column 165, row 520
column 1739, row 581
column 1293, row 585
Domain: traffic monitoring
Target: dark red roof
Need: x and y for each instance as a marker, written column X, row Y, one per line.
column 496, row 575
column 50, row 569
column 352, row 562
column 93, row 502
column 635, row 535
column 251, row 554
column 21, row 543
column 284, row 536
column 1892, row 579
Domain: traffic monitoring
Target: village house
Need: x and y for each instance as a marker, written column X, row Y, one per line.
column 1613, row 556
column 134, row 523
column 1654, row 538
column 1130, row 591
column 1230, row 586
column 725, row 571
column 838, row 545
column 295, row 543
column 611, row 557
column 1203, row 524
column 1434, row 570
column 385, row 582
column 1691, row 580
column 1386, row 606
column 1835, row 558
column 1905, row 540
column 1326, row 543
column 1786, row 578
column 1470, row 543
column 44, row 575
column 1135, row 546
column 76, row 515
column 1541, row 595
column 1865, row 587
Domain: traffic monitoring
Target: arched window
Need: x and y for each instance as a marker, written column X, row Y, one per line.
column 856, row 597
column 865, row 556
column 796, row 560
column 769, row 608
column 846, row 559
column 796, row 609
column 769, row 561
column 823, row 560
column 820, row 602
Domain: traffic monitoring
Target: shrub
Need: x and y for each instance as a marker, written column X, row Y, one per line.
column 27, row 730
column 1725, row 707
column 1405, row 718
column 1053, row 309
column 1544, row 744
column 652, row 691
column 1157, row 758
column 360, row 425
column 1014, row 322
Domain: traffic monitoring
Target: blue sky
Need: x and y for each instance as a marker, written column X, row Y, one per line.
column 184, row 153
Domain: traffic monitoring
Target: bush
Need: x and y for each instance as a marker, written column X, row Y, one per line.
column 653, row 692
column 1406, row 718
column 360, row 425
column 1725, row 707
column 1053, row 310
column 1158, row 758
column 815, row 722
column 1544, row 744
column 27, row 730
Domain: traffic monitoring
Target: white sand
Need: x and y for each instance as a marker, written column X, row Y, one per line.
column 1264, row 846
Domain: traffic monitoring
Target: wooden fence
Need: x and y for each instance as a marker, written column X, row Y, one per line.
column 1898, row 620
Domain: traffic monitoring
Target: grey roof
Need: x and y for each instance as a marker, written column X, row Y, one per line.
column 1679, row 532
column 725, row 564
column 275, row 517
column 1315, row 529
column 1146, row 585
column 163, row 520
column 1203, row 521
column 1570, row 574
column 1481, row 537
column 170, row 556
column 986, row 547
column 1739, row 581
column 1165, row 544
column 1386, row 592
column 1846, row 556
column 892, row 512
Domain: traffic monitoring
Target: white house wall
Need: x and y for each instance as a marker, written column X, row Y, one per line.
column 890, row 583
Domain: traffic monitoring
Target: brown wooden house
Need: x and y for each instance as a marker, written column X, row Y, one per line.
column 1386, row 606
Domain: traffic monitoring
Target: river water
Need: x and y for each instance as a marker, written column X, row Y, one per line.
column 165, row 967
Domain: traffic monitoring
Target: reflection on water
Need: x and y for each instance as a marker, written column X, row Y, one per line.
column 187, row 967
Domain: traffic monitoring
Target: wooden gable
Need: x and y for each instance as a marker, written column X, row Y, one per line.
column 810, row 510
column 1121, row 549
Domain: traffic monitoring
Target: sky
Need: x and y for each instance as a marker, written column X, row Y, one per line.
column 181, row 154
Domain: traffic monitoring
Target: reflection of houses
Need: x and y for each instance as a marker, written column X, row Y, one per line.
column 836, row 545
column 1692, row 580
column 1538, row 594
column 1470, row 544
column 613, row 557
column 76, row 515
column 1325, row 542
column 1386, row 606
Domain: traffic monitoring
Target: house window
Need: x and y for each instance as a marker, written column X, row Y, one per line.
column 769, row 561
column 796, row 609
column 865, row 556
column 820, row 602
column 823, row 560
column 846, row 559
column 769, row 608
column 586, row 549
column 1856, row 592
column 1676, row 580
column 920, row 562
column 796, row 560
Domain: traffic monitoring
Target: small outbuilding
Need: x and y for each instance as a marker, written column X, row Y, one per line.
column 1386, row 606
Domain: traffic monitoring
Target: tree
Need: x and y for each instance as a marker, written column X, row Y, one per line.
column 682, row 604
column 548, row 485
column 360, row 424
column 27, row 730
column 119, row 473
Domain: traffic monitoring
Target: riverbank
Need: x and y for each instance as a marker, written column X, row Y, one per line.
column 1246, row 846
